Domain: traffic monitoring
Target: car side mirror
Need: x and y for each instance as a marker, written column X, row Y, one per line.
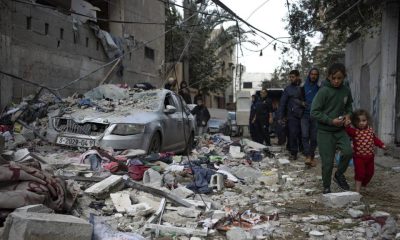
column 169, row 109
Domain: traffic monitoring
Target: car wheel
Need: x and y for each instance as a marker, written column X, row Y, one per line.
column 155, row 143
column 189, row 145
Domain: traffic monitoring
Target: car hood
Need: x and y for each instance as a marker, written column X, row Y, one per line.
column 121, row 116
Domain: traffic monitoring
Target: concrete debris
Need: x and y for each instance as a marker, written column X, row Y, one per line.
column 33, row 226
column 378, row 214
column 182, row 192
column 341, row 199
column 188, row 212
column 121, row 201
column 38, row 208
column 283, row 161
column 152, row 177
column 217, row 181
column 255, row 192
column 355, row 213
column 102, row 188
column 237, row 234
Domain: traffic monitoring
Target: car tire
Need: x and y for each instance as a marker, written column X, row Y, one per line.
column 155, row 143
column 189, row 145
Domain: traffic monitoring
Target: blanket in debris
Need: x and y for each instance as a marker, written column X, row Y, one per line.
column 23, row 184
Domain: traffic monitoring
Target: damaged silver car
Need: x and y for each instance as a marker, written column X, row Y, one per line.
column 154, row 120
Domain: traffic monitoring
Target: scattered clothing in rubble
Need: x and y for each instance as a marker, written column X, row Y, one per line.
column 202, row 177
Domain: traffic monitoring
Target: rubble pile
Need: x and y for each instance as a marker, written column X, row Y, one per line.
column 225, row 188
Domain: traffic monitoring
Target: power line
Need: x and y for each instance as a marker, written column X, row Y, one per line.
column 256, row 9
column 227, row 9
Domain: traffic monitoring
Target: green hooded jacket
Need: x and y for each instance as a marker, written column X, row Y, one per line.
column 330, row 103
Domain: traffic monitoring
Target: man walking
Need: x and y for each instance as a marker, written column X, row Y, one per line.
column 291, row 108
column 263, row 118
column 202, row 116
column 308, row 123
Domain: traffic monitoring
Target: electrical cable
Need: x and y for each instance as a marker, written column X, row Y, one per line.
column 256, row 9
column 224, row 7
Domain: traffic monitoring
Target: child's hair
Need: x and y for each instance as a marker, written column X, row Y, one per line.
column 294, row 72
column 337, row 67
column 355, row 117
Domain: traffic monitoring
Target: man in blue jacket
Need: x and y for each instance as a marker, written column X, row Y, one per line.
column 291, row 109
column 309, row 124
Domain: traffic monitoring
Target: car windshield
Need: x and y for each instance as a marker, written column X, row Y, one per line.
column 146, row 100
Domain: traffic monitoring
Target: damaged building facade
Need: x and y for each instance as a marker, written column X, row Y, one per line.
column 68, row 45
column 373, row 72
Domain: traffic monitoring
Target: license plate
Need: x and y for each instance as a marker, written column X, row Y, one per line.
column 76, row 142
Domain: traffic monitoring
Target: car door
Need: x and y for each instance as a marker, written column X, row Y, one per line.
column 172, row 125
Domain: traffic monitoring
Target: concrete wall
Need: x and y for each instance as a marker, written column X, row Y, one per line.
column 372, row 72
column 361, row 54
column 38, row 51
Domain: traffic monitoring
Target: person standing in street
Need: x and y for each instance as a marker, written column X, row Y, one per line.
column 291, row 108
column 171, row 84
column 332, row 107
column 252, row 115
column 309, row 124
column 263, row 118
column 202, row 116
column 184, row 92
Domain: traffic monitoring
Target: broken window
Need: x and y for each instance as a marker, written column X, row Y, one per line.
column 103, row 13
column 29, row 23
column 247, row 85
column 46, row 29
column 149, row 53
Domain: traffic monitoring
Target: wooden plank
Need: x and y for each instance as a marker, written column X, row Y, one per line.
column 179, row 230
column 158, row 192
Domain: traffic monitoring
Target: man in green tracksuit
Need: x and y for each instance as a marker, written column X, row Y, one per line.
column 332, row 107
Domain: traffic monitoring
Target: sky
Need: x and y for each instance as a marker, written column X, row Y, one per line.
column 268, row 18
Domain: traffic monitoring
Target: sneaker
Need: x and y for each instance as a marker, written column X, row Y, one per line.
column 341, row 182
column 326, row 190
column 293, row 157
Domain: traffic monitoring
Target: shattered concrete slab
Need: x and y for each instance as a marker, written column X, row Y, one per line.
column 43, row 226
column 341, row 199
column 101, row 189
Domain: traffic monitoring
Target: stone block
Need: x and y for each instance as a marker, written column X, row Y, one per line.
column 283, row 161
column 43, row 226
column 355, row 213
column 37, row 208
column 341, row 199
column 188, row 212
column 380, row 214
column 152, row 177
column 182, row 192
column 121, row 201
column 101, row 189
column 217, row 181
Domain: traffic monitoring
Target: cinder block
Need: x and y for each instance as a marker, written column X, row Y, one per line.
column 43, row 226
column 341, row 199
column 217, row 181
